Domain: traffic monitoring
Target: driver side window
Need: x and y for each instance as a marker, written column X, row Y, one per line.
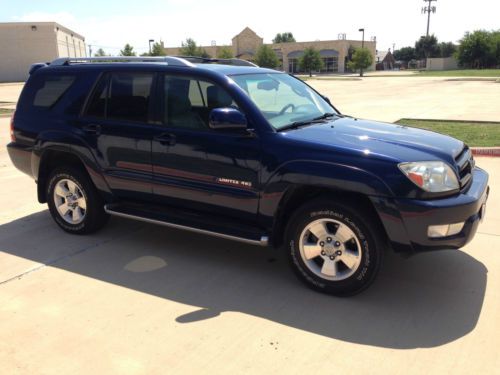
column 188, row 102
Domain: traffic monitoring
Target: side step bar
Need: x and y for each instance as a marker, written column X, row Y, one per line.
column 115, row 211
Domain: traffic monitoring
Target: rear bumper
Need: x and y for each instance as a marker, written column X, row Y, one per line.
column 20, row 155
column 407, row 220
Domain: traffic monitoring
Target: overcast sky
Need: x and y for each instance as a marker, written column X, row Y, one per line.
column 110, row 24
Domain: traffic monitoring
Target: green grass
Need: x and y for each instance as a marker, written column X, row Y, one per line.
column 478, row 134
column 6, row 111
column 460, row 73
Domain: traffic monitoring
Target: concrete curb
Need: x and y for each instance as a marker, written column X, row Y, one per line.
column 486, row 151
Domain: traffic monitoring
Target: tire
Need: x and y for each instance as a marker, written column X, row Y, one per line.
column 70, row 190
column 334, row 248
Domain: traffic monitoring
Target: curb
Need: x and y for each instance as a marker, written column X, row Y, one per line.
column 486, row 151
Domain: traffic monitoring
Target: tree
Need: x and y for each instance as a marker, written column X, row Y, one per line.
column 286, row 37
column 405, row 54
column 310, row 60
column 361, row 59
column 427, row 46
column 225, row 52
column 446, row 49
column 128, row 50
column 266, row 57
column 189, row 48
column 100, row 53
column 478, row 50
column 158, row 50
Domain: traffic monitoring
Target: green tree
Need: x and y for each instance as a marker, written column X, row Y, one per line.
column 266, row 57
column 310, row 60
column 405, row 54
column 128, row 50
column 478, row 50
column 225, row 52
column 158, row 50
column 100, row 53
column 446, row 49
column 189, row 48
column 361, row 59
column 286, row 37
column 427, row 46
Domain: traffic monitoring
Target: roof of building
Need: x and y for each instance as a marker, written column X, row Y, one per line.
column 35, row 23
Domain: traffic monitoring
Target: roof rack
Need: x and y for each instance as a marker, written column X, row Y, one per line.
column 169, row 60
column 209, row 60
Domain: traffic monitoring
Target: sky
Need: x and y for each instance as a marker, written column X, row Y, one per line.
column 109, row 24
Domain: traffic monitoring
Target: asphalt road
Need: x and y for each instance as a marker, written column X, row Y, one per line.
column 142, row 299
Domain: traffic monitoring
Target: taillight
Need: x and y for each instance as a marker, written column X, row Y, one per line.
column 12, row 136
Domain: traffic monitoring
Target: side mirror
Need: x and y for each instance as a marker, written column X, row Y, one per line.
column 227, row 118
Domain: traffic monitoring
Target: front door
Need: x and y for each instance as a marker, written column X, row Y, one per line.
column 197, row 167
column 116, row 128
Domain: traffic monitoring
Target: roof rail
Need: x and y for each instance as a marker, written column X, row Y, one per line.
column 169, row 60
column 209, row 60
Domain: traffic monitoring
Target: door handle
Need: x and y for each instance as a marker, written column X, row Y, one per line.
column 92, row 129
column 166, row 139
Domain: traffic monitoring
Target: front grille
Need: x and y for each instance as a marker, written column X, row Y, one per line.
column 465, row 164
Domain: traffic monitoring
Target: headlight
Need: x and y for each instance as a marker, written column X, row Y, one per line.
column 432, row 176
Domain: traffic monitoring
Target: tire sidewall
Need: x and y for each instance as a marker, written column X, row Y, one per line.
column 82, row 184
column 370, row 257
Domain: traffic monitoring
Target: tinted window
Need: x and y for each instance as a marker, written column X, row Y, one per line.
column 129, row 95
column 97, row 103
column 51, row 89
column 188, row 101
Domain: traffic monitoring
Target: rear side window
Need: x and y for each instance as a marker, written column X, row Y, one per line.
column 122, row 96
column 51, row 89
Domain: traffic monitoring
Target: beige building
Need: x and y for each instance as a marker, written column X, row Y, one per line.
column 25, row 43
column 333, row 52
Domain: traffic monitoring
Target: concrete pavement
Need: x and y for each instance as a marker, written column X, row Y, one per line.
column 141, row 299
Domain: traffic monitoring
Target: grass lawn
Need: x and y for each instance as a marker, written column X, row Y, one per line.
column 460, row 73
column 5, row 111
column 479, row 134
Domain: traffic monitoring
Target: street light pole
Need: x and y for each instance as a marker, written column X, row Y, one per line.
column 150, row 41
column 362, row 46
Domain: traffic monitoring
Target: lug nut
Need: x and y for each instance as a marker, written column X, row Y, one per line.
column 322, row 252
column 338, row 252
column 332, row 257
column 329, row 239
column 321, row 243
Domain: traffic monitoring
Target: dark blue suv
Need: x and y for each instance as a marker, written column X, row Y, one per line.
column 229, row 149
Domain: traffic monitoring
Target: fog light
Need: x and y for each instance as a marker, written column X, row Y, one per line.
column 446, row 230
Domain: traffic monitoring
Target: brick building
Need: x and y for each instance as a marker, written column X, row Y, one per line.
column 333, row 52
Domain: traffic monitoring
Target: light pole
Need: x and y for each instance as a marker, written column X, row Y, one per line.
column 150, row 41
column 429, row 9
column 362, row 46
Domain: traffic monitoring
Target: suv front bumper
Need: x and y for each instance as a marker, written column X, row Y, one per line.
column 407, row 220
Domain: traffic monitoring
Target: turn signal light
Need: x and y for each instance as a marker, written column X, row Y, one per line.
column 12, row 136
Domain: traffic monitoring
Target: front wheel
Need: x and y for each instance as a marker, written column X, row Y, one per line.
column 334, row 248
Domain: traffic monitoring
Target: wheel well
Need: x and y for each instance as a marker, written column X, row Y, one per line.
column 51, row 159
column 301, row 194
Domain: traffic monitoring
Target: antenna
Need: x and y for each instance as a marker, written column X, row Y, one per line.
column 428, row 9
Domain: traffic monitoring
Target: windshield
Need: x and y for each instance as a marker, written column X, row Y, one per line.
column 282, row 99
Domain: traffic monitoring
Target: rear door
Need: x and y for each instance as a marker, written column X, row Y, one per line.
column 117, row 127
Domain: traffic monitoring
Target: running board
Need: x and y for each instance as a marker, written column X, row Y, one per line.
column 145, row 216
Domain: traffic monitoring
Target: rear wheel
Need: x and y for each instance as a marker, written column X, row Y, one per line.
column 74, row 203
column 334, row 248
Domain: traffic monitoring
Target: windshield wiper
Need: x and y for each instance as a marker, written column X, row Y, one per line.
column 316, row 120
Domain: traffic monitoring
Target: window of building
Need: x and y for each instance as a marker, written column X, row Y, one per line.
column 330, row 64
column 51, row 89
column 188, row 101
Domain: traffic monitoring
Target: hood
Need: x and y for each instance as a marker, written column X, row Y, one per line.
column 397, row 142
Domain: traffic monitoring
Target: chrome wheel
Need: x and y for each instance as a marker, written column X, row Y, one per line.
column 70, row 201
column 330, row 249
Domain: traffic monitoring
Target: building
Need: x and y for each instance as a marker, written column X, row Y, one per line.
column 333, row 52
column 385, row 60
column 25, row 43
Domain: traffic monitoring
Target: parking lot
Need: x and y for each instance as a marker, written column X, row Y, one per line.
column 141, row 299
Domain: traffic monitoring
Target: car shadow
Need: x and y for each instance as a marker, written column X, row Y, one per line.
column 425, row 301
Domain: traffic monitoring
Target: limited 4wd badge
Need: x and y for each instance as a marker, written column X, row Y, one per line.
column 229, row 181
